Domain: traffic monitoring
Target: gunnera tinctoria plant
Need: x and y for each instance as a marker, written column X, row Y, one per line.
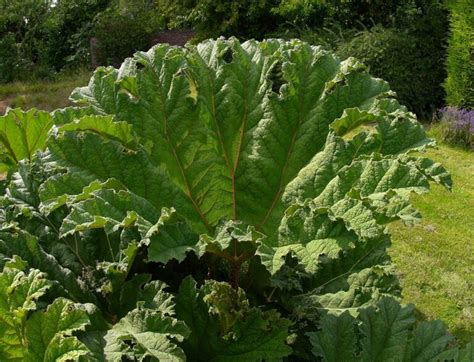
column 219, row 202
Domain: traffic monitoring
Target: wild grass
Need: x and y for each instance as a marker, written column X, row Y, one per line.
column 46, row 95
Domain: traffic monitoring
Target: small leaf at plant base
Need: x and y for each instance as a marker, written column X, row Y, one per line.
column 224, row 327
column 19, row 294
column 27, row 246
column 233, row 241
column 337, row 339
column 50, row 332
column 170, row 238
column 146, row 333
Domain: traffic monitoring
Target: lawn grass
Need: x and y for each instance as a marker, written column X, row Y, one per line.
column 46, row 95
column 436, row 258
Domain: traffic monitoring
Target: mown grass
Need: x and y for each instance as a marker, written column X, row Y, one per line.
column 46, row 95
column 436, row 258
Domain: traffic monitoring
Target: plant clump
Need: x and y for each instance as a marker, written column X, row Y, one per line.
column 223, row 201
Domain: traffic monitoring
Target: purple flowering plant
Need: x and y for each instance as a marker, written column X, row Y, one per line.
column 457, row 126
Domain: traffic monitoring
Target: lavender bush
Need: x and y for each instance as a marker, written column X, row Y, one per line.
column 457, row 126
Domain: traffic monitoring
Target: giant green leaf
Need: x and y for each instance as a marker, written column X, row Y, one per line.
column 223, row 136
column 383, row 332
column 24, row 133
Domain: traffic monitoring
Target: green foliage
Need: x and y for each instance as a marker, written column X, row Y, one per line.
column 10, row 61
column 21, row 24
column 67, row 30
column 175, row 13
column 345, row 338
column 42, row 335
column 245, row 19
column 302, row 12
column 257, row 19
column 124, row 28
column 349, row 14
column 460, row 62
column 401, row 42
column 39, row 39
column 218, row 203
column 409, row 60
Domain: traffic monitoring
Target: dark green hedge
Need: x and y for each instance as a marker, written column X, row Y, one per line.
column 460, row 62
column 120, row 33
column 410, row 55
column 412, row 63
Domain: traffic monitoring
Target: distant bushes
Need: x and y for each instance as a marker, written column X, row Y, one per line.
column 40, row 38
column 9, row 58
column 406, row 46
column 401, row 41
column 410, row 57
column 125, row 28
column 402, row 59
column 242, row 18
column 21, row 23
column 460, row 62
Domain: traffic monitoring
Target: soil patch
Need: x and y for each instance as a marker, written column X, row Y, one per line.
column 4, row 104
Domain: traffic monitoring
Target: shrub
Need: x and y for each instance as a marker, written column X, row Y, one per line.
column 175, row 13
column 20, row 28
column 411, row 60
column 38, row 39
column 391, row 13
column 66, row 32
column 10, row 62
column 456, row 126
column 244, row 19
column 406, row 47
column 301, row 13
column 210, row 203
column 124, row 29
column 460, row 62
